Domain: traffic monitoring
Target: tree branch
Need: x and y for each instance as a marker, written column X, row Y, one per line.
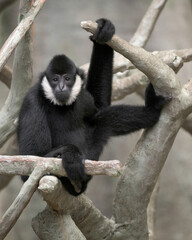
column 86, row 217
column 12, row 214
column 24, row 165
column 19, row 32
column 143, row 167
column 36, row 167
column 147, row 24
column 52, row 225
column 142, row 33
column 144, row 61
column 22, row 73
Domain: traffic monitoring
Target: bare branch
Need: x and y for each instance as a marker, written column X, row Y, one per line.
column 144, row 164
column 87, row 218
column 185, row 54
column 127, row 85
column 24, row 165
column 52, row 225
column 6, row 75
column 144, row 61
column 147, row 24
column 22, row 73
column 36, row 167
column 142, row 33
column 19, row 32
column 21, row 201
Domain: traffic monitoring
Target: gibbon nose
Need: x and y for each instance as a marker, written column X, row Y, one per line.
column 62, row 85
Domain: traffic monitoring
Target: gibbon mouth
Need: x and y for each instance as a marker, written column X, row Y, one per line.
column 62, row 96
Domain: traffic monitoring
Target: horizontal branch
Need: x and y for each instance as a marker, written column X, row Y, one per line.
column 19, row 32
column 24, row 165
column 36, row 167
column 185, row 54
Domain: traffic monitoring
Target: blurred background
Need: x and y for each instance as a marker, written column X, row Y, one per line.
column 57, row 30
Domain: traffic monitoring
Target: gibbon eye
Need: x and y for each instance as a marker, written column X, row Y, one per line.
column 67, row 78
column 55, row 79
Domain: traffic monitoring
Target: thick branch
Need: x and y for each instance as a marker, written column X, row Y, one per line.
column 87, row 218
column 144, row 164
column 52, row 225
column 24, row 165
column 185, row 54
column 144, row 61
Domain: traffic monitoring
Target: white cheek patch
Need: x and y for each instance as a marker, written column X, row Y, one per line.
column 49, row 94
column 48, row 91
column 75, row 90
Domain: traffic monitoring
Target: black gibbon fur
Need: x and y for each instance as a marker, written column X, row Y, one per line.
column 62, row 118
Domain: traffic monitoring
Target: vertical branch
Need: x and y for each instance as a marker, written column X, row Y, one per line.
column 22, row 73
column 142, row 33
column 147, row 23
column 21, row 78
